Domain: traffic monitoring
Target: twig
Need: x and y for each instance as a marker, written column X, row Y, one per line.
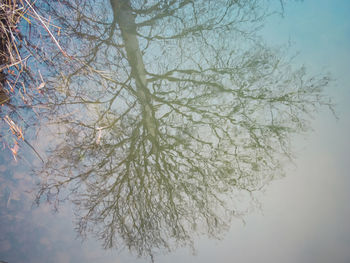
column 15, row 63
column 48, row 30
column 33, row 149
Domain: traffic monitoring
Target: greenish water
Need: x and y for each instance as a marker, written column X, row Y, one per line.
column 178, row 133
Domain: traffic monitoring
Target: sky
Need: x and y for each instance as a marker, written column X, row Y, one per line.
column 304, row 217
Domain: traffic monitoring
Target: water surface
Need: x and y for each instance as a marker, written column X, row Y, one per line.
column 303, row 216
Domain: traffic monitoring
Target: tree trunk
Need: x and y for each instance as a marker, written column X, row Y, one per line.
column 126, row 21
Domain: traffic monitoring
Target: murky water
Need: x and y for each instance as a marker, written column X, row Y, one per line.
column 171, row 130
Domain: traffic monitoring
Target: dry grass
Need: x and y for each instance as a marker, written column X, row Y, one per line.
column 22, row 31
column 11, row 14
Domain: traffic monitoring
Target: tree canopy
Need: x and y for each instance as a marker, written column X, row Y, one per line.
column 167, row 109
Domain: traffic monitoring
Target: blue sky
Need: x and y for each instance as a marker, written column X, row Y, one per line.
column 305, row 216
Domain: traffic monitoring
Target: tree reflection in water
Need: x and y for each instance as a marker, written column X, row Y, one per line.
column 176, row 106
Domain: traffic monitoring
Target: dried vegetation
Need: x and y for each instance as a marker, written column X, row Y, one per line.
column 26, row 44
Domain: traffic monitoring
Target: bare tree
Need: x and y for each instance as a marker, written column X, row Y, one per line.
column 176, row 106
